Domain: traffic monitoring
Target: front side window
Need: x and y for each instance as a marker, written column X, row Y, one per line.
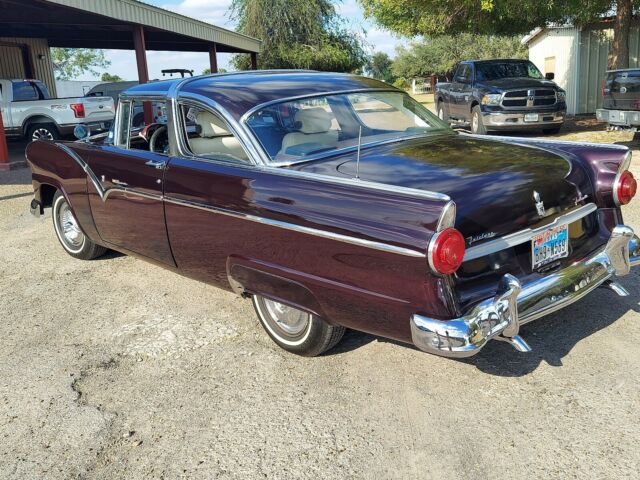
column 301, row 129
column 133, row 133
column 208, row 136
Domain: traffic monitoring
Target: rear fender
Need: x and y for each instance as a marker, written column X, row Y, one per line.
column 53, row 166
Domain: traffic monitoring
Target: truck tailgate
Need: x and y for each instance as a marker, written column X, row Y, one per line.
column 622, row 90
column 98, row 108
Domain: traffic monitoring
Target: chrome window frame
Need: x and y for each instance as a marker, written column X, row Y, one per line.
column 131, row 99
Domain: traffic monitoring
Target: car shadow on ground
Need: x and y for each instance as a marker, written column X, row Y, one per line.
column 551, row 338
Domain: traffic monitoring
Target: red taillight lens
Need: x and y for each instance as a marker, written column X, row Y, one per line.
column 78, row 109
column 446, row 251
column 626, row 187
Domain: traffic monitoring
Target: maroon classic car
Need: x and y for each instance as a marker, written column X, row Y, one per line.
column 335, row 201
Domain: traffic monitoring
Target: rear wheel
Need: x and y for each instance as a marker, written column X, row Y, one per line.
column 477, row 123
column 43, row 131
column 294, row 330
column 71, row 237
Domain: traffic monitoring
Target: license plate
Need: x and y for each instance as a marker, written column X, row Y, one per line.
column 530, row 117
column 549, row 245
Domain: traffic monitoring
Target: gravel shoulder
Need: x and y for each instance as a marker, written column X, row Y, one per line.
column 118, row 369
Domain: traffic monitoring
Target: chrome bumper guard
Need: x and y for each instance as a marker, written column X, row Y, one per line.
column 514, row 304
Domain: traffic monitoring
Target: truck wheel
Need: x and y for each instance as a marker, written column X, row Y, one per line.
column 294, row 330
column 551, row 131
column 71, row 237
column 43, row 131
column 477, row 124
column 442, row 113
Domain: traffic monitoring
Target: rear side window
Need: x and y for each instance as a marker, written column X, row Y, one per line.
column 25, row 91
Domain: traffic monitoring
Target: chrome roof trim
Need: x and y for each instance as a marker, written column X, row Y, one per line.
column 260, row 106
column 526, row 235
column 385, row 247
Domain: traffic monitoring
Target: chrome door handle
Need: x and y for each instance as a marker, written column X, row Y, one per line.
column 159, row 164
column 118, row 182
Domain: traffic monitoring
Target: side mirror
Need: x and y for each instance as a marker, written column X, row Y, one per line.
column 550, row 75
column 81, row 132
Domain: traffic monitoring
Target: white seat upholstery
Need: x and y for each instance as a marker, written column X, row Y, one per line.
column 314, row 126
column 215, row 138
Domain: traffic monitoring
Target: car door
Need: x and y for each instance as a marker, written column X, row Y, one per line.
column 460, row 90
column 128, row 210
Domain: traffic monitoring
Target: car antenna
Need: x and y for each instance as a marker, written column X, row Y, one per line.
column 358, row 153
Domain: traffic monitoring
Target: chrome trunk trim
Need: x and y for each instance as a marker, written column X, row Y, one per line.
column 526, row 235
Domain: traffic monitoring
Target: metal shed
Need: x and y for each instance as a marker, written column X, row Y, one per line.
column 578, row 58
column 28, row 28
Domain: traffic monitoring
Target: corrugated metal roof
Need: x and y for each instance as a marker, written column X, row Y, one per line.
column 137, row 12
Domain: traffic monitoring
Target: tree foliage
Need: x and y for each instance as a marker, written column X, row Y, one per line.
column 69, row 63
column 298, row 34
column 439, row 55
column 379, row 67
column 107, row 77
column 502, row 17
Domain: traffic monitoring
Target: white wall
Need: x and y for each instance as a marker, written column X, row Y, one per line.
column 559, row 43
column 74, row 88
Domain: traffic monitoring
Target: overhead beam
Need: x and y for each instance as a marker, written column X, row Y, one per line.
column 143, row 70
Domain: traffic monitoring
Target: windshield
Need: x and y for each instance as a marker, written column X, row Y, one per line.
column 496, row 70
column 300, row 129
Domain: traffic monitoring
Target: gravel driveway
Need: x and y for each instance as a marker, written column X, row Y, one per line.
column 116, row 369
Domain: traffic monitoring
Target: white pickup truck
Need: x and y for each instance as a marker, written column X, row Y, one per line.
column 28, row 111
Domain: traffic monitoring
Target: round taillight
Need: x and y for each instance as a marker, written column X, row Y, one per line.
column 626, row 187
column 446, row 251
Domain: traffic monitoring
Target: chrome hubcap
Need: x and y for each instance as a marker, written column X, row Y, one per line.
column 72, row 234
column 441, row 114
column 41, row 134
column 291, row 320
column 474, row 122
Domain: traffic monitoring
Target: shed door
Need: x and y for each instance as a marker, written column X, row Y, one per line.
column 549, row 65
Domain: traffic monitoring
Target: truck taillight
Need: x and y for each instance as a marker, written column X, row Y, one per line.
column 446, row 251
column 625, row 188
column 78, row 109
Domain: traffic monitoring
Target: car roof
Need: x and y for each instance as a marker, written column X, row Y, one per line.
column 241, row 91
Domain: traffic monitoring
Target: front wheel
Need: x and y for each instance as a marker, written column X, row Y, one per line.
column 294, row 330
column 71, row 237
column 551, row 131
column 477, row 123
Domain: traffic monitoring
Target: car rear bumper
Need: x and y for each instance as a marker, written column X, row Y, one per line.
column 514, row 304
column 516, row 121
column 94, row 127
column 627, row 118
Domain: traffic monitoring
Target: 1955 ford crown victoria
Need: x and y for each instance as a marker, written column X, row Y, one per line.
column 337, row 201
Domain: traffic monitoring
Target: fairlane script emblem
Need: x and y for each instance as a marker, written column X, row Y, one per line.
column 539, row 204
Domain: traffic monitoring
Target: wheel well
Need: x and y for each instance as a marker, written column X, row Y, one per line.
column 47, row 192
column 440, row 99
column 474, row 104
column 36, row 119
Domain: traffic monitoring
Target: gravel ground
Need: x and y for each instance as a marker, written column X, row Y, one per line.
column 117, row 369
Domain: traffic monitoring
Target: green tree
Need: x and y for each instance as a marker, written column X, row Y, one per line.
column 70, row 63
column 503, row 17
column 207, row 71
column 298, row 34
column 379, row 67
column 107, row 77
column 439, row 55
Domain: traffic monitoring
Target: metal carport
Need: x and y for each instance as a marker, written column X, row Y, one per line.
column 115, row 24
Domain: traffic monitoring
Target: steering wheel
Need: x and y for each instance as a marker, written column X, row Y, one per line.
column 159, row 141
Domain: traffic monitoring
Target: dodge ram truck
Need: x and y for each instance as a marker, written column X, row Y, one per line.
column 499, row 95
column 28, row 111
